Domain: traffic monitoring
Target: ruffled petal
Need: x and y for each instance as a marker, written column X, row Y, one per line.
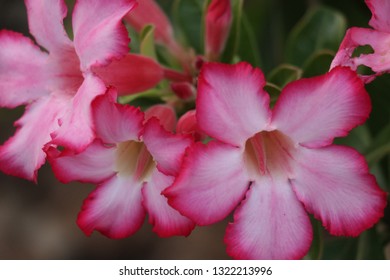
column 380, row 10
column 116, row 123
column 99, row 35
column 334, row 184
column 378, row 61
column 22, row 70
column 313, row 111
column 166, row 221
column 218, row 22
column 167, row 149
column 114, row 208
column 45, row 19
column 211, row 183
column 165, row 114
column 231, row 104
column 188, row 125
column 22, row 154
column 269, row 224
column 76, row 125
column 131, row 74
column 94, row 165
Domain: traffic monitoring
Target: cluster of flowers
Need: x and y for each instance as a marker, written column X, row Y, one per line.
column 233, row 152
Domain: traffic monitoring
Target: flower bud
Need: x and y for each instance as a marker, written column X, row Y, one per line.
column 218, row 23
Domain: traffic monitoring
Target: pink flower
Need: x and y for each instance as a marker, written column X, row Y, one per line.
column 132, row 161
column 378, row 38
column 271, row 166
column 218, row 23
column 58, row 86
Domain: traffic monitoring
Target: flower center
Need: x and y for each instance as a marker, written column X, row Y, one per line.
column 134, row 159
column 66, row 73
column 268, row 153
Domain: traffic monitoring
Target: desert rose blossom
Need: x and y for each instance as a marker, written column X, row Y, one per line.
column 58, row 86
column 133, row 159
column 378, row 38
column 272, row 166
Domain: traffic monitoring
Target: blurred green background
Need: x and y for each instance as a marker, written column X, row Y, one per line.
column 287, row 39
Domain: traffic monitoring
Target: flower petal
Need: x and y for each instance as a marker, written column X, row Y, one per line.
column 115, row 123
column 99, row 35
column 22, row 70
column 380, row 10
column 76, row 126
column 231, row 104
column 211, row 183
column 167, row 149
column 166, row 221
column 165, row 114
column 188, row 125
column 22, row 154
column 131, row 74
column 93, row 165
column 378, row 61
column 313, row 111
column 114, row 208
column 334, row 184
column 45, row 19
column 269, row 224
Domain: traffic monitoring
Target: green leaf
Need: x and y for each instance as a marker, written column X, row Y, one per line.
column 248, row 47
column 144, row 99
column 135, row 40
column 320, row 28
column 318, row 63
column 339, row 248
column 284, row 74
column 359, row 138
column 380, row 147
column 369, row 246
column 187, row 15
column 233, row 41
column 317, row 246
column 274, row 92
column 147, row 46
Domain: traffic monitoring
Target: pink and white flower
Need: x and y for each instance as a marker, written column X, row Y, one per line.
column 272, row 166
column 58, row 86
column 378, row 38
column 133, row 159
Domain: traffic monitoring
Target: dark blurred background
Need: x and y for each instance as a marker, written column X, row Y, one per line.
column 38, row 221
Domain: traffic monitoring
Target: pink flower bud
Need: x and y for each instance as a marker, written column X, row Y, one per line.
column 184, row 90
column 218, row 23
